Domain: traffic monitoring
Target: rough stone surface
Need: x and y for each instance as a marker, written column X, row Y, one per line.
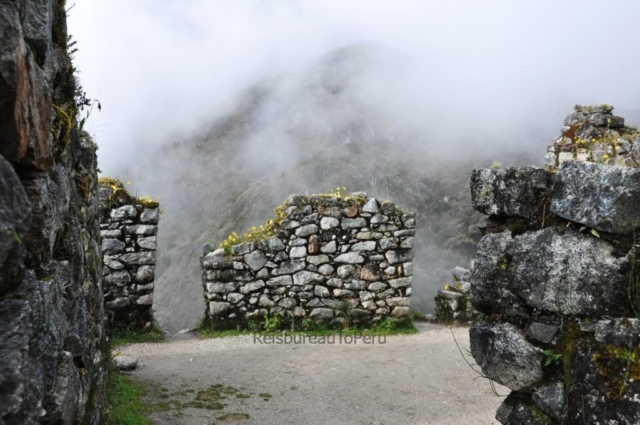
column 604, row 197
column 554, row 270
column 325, row 256
column 129, row 256
column 504, row 355
column 54, row 358
column 542, row 332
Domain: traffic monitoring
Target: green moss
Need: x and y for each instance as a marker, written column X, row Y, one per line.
column 618, row 365
column 567, row 345
column 539, row 415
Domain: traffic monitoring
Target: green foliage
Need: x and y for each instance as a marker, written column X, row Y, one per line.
column 271, row 324
column 125, row 404
column 124, row 337
column 387, row 325
column 551, row 356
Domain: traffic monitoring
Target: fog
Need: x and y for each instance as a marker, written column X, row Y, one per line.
column 446, row 82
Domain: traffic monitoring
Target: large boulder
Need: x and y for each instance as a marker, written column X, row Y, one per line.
column 554, row 270
column 517, row 409
column 505, row 356
column 604, row 197
column 510, row 192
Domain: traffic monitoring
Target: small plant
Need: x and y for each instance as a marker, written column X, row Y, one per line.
column 551, row 356
column 496, row 165
column 388, row 324
column 271, row 324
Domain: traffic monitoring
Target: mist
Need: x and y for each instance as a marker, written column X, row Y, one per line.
column 208, row 103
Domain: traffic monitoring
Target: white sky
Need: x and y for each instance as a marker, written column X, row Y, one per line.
column 164, row 67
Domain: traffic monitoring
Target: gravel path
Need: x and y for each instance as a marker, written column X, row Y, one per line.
column 410, row 379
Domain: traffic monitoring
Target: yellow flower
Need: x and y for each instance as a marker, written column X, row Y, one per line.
column 605, row 156
column 128, row 183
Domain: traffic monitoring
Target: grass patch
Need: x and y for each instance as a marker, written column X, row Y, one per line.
column 235, row 416
column 385, row 328
column 126, row 406
column 124, row 337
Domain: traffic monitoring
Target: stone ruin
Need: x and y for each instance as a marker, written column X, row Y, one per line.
column 326, row 257
column 452, row 302
column 556, row 281
column 129, row 228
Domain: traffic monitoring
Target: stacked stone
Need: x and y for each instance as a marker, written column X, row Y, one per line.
column 53, row 348
column 128, row 228
column 593, row 133
column 330, row 255
column 452, row 302
column 552, row 276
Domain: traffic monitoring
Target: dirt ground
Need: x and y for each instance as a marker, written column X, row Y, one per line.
column 405, row 379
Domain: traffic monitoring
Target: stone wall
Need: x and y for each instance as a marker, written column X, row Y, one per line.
column 329, row 257
column 452, row 302
column 128, row 226
column 555, row 278
column 53, row 347
column 593, row 133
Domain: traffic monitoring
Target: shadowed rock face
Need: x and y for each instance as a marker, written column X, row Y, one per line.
column 53, row 348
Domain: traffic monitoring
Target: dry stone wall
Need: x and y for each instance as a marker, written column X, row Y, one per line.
column 53, row 346
column 452, row 302
column 555, row 278
column 330, row 257
column 129, row 228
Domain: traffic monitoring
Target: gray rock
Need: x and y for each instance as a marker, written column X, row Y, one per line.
column 150, row 215
column 234, row 297
column 398, row 301
column 290, row 224
column 148, row 243
column 329, row 248
column 398, row 256
column 287, row 303
column 335, row 282
column 349, row 258
column 321, row 313
column 504, row 355
column 356, row 285
column 221, row 287
column 339, row 293
column 400, row 283
column 510, row 192
column 298, row 242
column 255, row 260
column 217, row 307
column 407, row 268
column 121, row 276
column 390, row 270
column 113, row 264
column 461, row 274
column 604, row 197
column 305, row 277
column 353, row 223
column 243, row 248
column 326, row 269
column 620, row 332
column 285, row 280
column 542, row 332
column 298, row 252
column 364, row 246
column 321, row 291
column 112, row 246
column 146, row 230
column 125, row 362
column 518, row 409
column 407, row 243
column 307, row 230
column 377, row 286
column 118, row 303
column 328, row 223
column 273, row 244
column 371, row 206
column 550, row 398
column 252, row 286
column 404, row 233
column 265, row 301
column 570, row 273
column 346, row 271
column 145, row 300
column 124, row 212
column 317, row 259
column 289, row 267
column 115, row 233
column 139, row 258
